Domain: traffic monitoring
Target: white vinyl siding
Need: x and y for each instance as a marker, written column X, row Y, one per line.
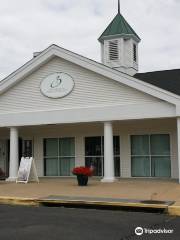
column 128, row 53
column 90, row 90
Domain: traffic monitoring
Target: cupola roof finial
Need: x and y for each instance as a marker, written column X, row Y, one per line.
column 119, row 7
column 119, row 27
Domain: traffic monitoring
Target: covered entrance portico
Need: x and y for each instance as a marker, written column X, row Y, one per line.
column 125, row 149
column 73, row 111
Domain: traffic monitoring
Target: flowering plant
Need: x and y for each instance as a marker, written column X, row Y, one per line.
column 86, row 171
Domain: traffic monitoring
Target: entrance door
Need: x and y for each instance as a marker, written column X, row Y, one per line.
column 27, row 148
column 3, row 157
column 94, row 154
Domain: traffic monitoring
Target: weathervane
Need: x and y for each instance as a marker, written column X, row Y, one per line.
column 119, row 8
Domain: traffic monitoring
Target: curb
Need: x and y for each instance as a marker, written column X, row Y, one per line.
column 102, row 204
column 173, row 210
column 19, row 201
column 98, row 202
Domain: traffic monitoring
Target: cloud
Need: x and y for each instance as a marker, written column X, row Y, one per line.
column 29, row 26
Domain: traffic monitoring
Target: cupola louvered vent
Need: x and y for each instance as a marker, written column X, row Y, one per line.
column 113, row 50
column 134, row 53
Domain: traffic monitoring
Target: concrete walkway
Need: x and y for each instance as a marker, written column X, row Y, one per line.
column 130, row 188
column 138, row 189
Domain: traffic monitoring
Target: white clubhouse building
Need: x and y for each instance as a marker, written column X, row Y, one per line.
column 66, row 110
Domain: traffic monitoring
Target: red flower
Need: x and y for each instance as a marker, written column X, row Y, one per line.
column 86, row 171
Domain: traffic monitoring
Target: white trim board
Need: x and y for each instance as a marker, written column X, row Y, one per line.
column 93, row 114
column 91, row 65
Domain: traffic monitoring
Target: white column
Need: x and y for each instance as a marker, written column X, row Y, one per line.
column 178, row 146
column 108, row 153
column 14, row 154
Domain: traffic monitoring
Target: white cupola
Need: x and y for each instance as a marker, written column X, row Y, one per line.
column 119, row 45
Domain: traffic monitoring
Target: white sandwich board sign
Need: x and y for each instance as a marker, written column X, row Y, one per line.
column 27, row 171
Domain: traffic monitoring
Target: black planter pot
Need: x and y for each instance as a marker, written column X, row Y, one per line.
column 82, row 180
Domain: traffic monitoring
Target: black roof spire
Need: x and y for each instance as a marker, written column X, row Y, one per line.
column 120, row 27
column 119, row 7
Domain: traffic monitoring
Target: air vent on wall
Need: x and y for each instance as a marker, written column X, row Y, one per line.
column 113, row 50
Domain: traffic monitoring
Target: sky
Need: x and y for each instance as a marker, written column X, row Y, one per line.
column 32, row 25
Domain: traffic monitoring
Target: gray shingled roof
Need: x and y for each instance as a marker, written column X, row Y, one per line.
column 168, row 79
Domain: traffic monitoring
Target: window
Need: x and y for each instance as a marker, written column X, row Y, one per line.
column 59, row 156
column 134, row 52
column 150, row 155
column 94, row 154
column 113, row 50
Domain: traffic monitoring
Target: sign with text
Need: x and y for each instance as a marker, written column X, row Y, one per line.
column 57, row 85
column 27, row 171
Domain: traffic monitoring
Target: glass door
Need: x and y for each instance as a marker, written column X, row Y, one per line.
column 27, row 148
column 94, row 154
column 51, row 157
column 140, row 160
column 160, row 159
column 116, row 147
column 3, row 159
column 66, row 156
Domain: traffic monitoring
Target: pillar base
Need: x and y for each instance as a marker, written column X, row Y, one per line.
column 11, row 179
column 108, row 180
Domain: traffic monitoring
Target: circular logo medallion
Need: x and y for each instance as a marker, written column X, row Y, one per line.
column 139, row 231
column 57, row 85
